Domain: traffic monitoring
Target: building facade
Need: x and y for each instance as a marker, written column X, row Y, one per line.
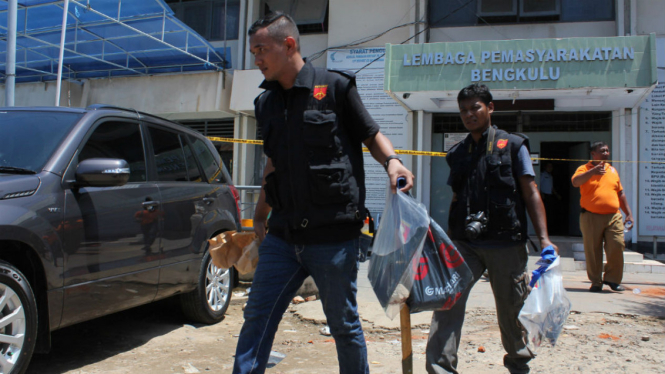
column 539, row 58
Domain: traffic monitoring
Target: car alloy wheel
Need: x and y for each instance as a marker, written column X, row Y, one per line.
column 12, row 328
column 212, row 296
column 218, row 286
column 18, row 320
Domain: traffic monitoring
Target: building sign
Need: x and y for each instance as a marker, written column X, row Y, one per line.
column 523, row 64
column 389, row 114
column 651, row 217
column 452, row 138
column 504, row 57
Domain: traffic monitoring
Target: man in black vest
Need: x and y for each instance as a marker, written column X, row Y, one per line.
column 313, row 126
column 493, row 186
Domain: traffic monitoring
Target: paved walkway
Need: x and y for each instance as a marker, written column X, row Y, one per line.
column 650, row 301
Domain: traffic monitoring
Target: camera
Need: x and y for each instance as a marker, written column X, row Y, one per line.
column 476, row 225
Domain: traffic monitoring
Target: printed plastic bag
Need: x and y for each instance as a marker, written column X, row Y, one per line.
column 399, row 240
column 442, row 274
column 547, row 307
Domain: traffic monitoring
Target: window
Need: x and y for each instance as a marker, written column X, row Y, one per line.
column 497, row 7
column 449, row 13
column 220, row 128
column 540, row 7
column 311, row 16
column 169, row 156
column 208, row 17
column 446, row 123
column 118, row 140
column 193, row 170
column 210, row 166
column 29, row 138
column 532, row 122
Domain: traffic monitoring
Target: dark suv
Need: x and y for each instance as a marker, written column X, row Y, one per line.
column 103, row 209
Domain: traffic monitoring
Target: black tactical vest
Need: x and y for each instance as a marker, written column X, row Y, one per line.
column 317, row 190
column 484, row 180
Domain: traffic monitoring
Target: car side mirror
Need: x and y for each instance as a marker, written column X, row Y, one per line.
column 102, row 172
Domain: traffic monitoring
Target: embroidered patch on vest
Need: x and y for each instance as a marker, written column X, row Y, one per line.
column 502, row 143
column 320, row 91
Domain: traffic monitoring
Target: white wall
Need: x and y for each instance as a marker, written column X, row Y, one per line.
column 523, row 31
column 313, row 43
column 43, row 94
column 247, row 89
column 650, row 14
column 182, row 96
column 351, row 20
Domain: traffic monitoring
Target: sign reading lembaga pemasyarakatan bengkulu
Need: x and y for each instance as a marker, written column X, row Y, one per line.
column 523, row 64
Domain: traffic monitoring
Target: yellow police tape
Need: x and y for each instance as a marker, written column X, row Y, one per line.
column 425, row 153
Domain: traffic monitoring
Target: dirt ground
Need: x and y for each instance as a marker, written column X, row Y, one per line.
column 154, row 340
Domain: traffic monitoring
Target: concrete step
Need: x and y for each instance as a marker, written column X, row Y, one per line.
column 661, row 256
column 628, row 256
column 645, row 266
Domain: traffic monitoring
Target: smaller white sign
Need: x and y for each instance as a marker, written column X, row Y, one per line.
column 452, row 138
column 535, row 159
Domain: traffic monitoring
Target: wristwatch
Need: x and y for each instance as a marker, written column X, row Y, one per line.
column 391, row 157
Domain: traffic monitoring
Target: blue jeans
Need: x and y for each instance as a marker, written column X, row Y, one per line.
column 281, row 270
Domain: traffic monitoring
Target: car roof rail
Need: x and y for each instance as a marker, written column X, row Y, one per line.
column 113, row 107
column 107, row 106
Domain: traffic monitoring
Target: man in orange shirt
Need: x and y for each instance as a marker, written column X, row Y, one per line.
column 601, row 220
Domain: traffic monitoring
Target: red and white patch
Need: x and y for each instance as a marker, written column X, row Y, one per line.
column 502, row 143
column 320, row 92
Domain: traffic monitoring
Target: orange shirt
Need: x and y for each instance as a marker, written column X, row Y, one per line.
column 600, row 194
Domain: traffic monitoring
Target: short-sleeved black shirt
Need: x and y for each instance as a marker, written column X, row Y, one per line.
column 313, row 134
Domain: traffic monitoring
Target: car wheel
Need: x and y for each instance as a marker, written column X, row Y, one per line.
column 18, row 321
column 212, row 296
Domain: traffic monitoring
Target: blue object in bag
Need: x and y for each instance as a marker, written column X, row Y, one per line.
column 547, row 307
column 547, row 257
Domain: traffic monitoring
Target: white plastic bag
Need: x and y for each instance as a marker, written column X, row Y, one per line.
column 546, row 308
column 398, row 241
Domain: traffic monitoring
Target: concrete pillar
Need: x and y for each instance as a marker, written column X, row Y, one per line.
column 244, row 161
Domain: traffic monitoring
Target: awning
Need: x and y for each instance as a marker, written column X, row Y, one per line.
column 104, row 38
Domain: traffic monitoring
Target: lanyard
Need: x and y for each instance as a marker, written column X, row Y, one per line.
column 490, row 148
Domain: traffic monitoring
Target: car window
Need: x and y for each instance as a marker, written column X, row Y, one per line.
column 211, row 168
column 192, row 167
column 169, row 156
column 115, row 139
column 29, row 138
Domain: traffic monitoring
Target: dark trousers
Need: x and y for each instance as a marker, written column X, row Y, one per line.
column 507, row 268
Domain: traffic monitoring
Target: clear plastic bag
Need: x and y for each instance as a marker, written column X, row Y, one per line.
column 398, row 242
column 547, row 307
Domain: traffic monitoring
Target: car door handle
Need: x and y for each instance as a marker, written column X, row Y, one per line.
column 150, row 206
column 208, row 200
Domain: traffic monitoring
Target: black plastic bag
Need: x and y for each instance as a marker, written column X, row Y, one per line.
column 441, row 275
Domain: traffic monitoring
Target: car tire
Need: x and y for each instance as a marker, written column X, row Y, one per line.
column 212, row 296
column 18, row 315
